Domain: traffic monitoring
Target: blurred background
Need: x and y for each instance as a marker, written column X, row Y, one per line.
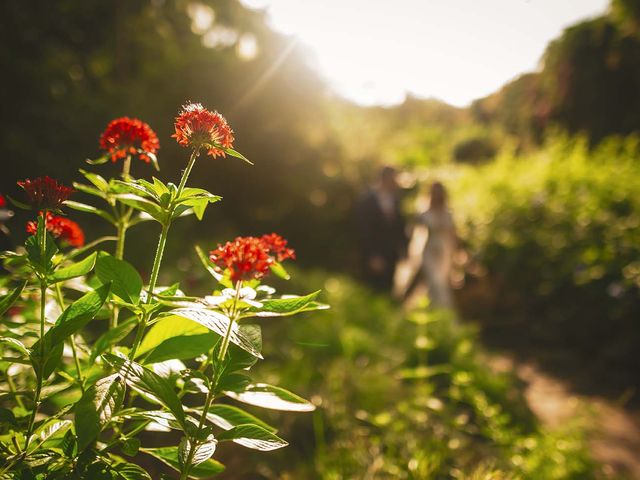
column 528, row 112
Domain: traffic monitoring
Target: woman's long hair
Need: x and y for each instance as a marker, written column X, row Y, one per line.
column 438, row 196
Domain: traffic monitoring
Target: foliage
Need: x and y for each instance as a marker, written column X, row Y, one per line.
column 557, row 232
column 80, row 388
column 77, row 65
column 588, row 83
column 407, row 395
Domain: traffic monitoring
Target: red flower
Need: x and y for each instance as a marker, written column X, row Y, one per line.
column 251, row 257
column 3, row 202
column 245, row 257
column 129, row 136
column 197, row 127
column 60, row 227
column 45, row 193
column 277, row 247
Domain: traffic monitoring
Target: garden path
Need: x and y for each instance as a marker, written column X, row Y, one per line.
column 614, row 431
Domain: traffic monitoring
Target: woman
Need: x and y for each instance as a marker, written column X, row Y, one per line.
column 441, row 243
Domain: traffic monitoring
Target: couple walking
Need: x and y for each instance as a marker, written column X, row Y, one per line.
column 384, row 240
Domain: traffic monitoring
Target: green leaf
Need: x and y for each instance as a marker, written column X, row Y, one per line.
column 191, row 192
column 76, row 316
column 202, row 451
column 89, row 190
column 48, row 430
column 208, row 264
column 15, row 345
column 233, row 153
column 144, row 380
column 7, row 417
column 233, row 382
column 228, row 416
column 219, row 323
column 239, row 359
column 153, row 158
column 198, row 199
column 112, row 336
column 254, row 437
column 273, row 398
column 98, row 161
column 32, row 245
column 175, row 337
column 160, row 187
column 125, row 280
column 143, row 204
column 83, row 207
column 277, row 307
column 130, row 447
column 19, row 204
column 278, row 270
column 98, row 181
column 90, row 246
column 75, row 270
column 169, row 456
column 157, row 188
column 96, row 408
column 10, row 298
column 135, row 188
column 129, row 471
column 163, row 418
column 52, row 360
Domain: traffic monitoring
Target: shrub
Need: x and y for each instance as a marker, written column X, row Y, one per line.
column 92, row 357
column 558, row 234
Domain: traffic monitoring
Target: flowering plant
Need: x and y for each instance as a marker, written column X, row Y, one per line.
column 91, row 357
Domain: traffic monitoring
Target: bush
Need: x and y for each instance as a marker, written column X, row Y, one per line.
column 558, row 234
column 407, row 395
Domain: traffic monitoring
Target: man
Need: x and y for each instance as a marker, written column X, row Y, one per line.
column 381, row 229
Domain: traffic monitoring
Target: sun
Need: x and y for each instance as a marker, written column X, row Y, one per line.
column 375, row 52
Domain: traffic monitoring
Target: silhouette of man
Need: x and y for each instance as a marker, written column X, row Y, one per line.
column 381, row 229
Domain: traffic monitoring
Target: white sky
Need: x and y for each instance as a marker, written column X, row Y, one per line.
column 373, row 51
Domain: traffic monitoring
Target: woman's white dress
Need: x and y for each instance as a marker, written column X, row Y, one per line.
column 438, row 256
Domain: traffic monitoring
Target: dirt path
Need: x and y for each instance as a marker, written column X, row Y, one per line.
column 615, row 436
column 614, row 431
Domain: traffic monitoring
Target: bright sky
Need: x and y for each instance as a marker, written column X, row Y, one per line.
column 374, row 51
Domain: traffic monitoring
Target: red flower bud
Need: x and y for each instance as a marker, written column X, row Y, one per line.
column 45, row 193
column 129, row 136
column 197, row 127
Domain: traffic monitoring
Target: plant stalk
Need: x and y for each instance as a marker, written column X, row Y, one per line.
column 72, row 341
column 126, row 168
column 43, row 300
column 211, row 394
column 187, row 171
column 122, row 231
column 162, row 242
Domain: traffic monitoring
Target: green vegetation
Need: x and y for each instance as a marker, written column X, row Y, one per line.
column 405, row 395
column 558, row 232
column 544, row 192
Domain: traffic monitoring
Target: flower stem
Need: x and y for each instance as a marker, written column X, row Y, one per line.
column 43, row 299
column 213, row 385
column 72, row 341
column 234, row 312
column 162, row 242
column 153, row 280
column 126, row 168
column 122, row 231
column 155, row 270
column 187, row 171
